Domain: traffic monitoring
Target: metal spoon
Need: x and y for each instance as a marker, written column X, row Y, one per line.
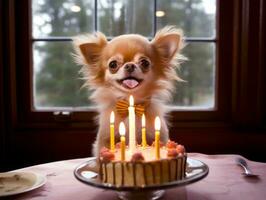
column 247, row 172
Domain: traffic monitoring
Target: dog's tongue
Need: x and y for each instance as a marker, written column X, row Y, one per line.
column 130, row 83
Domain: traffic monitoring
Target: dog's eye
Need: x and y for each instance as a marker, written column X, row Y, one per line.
column 113, row 64
column 145, row 63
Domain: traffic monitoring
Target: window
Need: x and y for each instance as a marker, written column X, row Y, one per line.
column 35, row 71
column 56, row 83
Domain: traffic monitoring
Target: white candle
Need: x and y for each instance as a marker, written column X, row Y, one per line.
column 132, row 131
column 122, row 131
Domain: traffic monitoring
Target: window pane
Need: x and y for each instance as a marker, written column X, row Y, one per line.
column 199, row 73
column 57, row 82
column 116, row 17
column 61, row 17
column 56, row 79
column 195, row 17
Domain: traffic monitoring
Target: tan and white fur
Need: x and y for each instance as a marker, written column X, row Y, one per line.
column 130, row 65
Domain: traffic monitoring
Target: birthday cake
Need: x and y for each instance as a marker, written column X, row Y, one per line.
column 143, row 167
column 140, row 165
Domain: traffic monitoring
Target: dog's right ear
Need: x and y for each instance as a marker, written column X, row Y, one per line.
column 168, row 42
column 90, row 47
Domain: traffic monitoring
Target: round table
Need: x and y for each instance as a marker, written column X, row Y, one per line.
column 224, row 181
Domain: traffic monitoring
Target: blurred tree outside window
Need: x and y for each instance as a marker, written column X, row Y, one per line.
column 56, row 79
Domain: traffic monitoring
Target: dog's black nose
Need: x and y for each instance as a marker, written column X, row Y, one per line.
column 130, row 67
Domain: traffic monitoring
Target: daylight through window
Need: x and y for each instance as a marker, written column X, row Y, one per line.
column 57, row 83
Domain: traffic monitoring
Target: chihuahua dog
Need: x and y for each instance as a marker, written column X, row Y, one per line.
column 130, row 65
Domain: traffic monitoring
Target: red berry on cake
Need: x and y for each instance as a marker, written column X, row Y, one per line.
column 171, row 144
column 136, row 157
column 106, row 155
column 172, row 153
column 180, row 149
column 103, row 150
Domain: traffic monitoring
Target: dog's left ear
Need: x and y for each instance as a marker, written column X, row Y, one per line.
column 168, row 42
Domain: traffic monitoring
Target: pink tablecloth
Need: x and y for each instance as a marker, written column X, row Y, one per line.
column 223, row 182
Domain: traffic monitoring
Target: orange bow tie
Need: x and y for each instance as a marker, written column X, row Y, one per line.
column 122, row 108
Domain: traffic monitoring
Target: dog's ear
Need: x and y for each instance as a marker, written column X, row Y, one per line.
column 168, row 41
column 90, row 47
column 91, row 52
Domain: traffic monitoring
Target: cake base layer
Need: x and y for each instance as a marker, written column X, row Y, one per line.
column 143, row 173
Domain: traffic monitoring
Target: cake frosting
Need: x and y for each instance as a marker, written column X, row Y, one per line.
column 142, row 168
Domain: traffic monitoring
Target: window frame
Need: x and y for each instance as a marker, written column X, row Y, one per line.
column 229, row 59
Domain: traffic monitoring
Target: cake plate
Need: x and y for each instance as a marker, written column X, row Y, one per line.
column 87, row 173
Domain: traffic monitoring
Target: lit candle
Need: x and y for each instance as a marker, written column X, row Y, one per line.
column 143, row 131
column 157, row 137
column 122, row 132
column 132, row 133
column 112, row 131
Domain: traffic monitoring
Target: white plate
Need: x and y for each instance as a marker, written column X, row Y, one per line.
column 12, row 183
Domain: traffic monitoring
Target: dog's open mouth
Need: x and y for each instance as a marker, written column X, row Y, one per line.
column 130, row 82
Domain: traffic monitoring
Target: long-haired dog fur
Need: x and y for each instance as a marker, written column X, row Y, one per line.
column 130, row 65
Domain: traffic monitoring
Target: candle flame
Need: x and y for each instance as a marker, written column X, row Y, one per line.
column 112, row 117
column 131, row 100
column 143, row 121
column 157, row 123
column 122, row 129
